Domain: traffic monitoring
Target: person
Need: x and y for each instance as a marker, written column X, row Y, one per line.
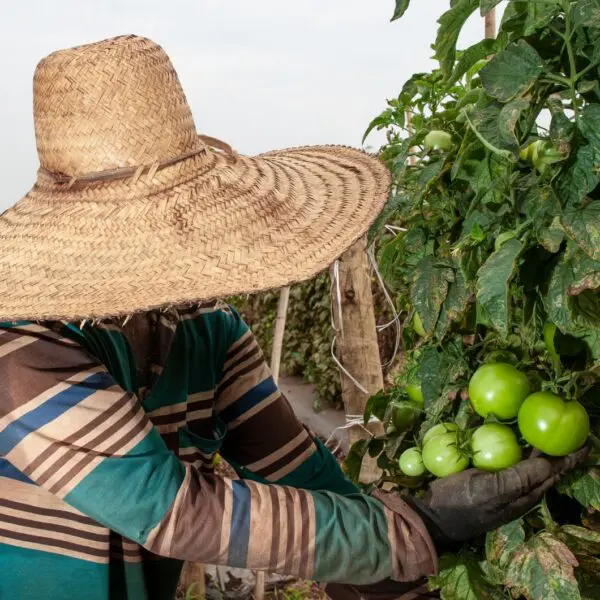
column 123, row 372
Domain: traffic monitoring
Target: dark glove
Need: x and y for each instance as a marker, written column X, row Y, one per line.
column 385, row 590
column 463, row 506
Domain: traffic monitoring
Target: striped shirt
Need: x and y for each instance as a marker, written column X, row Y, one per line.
column 106, row 487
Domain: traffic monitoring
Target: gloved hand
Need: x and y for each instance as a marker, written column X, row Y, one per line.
column 471, row 503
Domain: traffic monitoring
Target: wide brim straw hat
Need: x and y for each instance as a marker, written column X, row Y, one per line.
column 134, row 210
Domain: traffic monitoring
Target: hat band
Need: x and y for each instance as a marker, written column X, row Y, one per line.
column 135, row 172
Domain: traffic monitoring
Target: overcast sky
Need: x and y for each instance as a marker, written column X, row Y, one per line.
column 259, row 74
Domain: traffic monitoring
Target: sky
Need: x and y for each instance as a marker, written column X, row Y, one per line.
column 260, row 74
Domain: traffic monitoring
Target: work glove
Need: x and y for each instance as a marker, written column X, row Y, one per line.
column 468, row 504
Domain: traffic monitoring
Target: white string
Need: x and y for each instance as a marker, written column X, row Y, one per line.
column 351, row 421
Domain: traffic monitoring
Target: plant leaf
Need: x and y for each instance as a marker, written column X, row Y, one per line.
column 500, row 546
column 353, row 463
column 461, row 578
column 429, row 290
column 584, row 486
column 469, row 57
column 451, row 23
column 486, row 5
column 431, row 374
column 493, row 282
column 582, row 225
column 586, row 13
column 455, row 304
column 543, row 569
column 580, row 540
column 507, row 123
column 579, row 176
column 401, row 7
column 512, row 72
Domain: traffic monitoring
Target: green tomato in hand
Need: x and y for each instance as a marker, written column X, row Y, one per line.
column 439, row 429
column 498, row 388
column 552, row 425
column 411, row 462
column 442, row 457
column 418, row 326
column 495, row 447
column 413, row 391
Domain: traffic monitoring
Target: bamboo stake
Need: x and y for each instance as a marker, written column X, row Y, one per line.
column 490, row 23
column 284, row 297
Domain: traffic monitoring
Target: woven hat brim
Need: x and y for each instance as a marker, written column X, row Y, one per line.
column 206, row 228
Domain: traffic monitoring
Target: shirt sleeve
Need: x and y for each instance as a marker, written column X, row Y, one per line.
column 265, row 441
column 67, row 426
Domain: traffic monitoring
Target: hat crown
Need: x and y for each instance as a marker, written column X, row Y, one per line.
column 112, row 104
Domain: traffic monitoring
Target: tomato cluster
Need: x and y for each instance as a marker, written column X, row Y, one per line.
column 502, row 395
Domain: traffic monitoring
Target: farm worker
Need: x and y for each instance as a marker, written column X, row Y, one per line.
column 121, row 376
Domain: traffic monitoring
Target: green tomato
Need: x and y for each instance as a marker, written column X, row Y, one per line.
column 418, row 326
column 498, row 388
column 439, row 429
column 552, row 425
column 495, row 447
column 437, row 140
column 442, row 457
column 413, row 391
column 411, row 462
column 540, row 154
column 403, row 415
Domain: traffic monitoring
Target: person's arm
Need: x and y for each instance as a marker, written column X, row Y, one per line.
column 66, row 425
column 265, row 440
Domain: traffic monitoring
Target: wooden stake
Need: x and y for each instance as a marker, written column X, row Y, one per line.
column 357, row 346
column 490, row 23
column 284, row 298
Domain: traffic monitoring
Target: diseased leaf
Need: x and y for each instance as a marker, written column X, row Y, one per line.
column 584, row 486
column 589, row 123
column 401, row 7
column 561, row 128
column 507, row 123
column 451, row 23
column 485, row 123
column 493, row 282
column 512, row 72
column 552, row 237
column 525, row 18
column 429, row 290
column 500, row 546
column 580, row 540
column 587, row 13
column 461, row 578
column 543, row 569
column 582, row 225
column 469, row 57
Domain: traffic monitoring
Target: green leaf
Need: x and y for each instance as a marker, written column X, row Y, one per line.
column 525, row 18
column 429, row 290
column 584, row 486
column 451, row 23
column 579, row 176
column 401, row 7
column 543, row 569
column 376, row 406
column 455, row 304
column 461, row 578
column 485, row 123
column 582, row 225
column 486, row 5
column 586, row 13
column 431, row 374
column 512, row 72
column 493, row 282
column 589, row 123
column 393, row 204
column 507, row 122
column 353, row 462
column 469, row 57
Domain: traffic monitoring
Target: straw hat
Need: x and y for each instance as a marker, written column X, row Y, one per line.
column 133, row 210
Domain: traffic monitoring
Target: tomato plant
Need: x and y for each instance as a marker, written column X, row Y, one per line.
column 552, row 425
column 495, row 447
column 493, row 256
